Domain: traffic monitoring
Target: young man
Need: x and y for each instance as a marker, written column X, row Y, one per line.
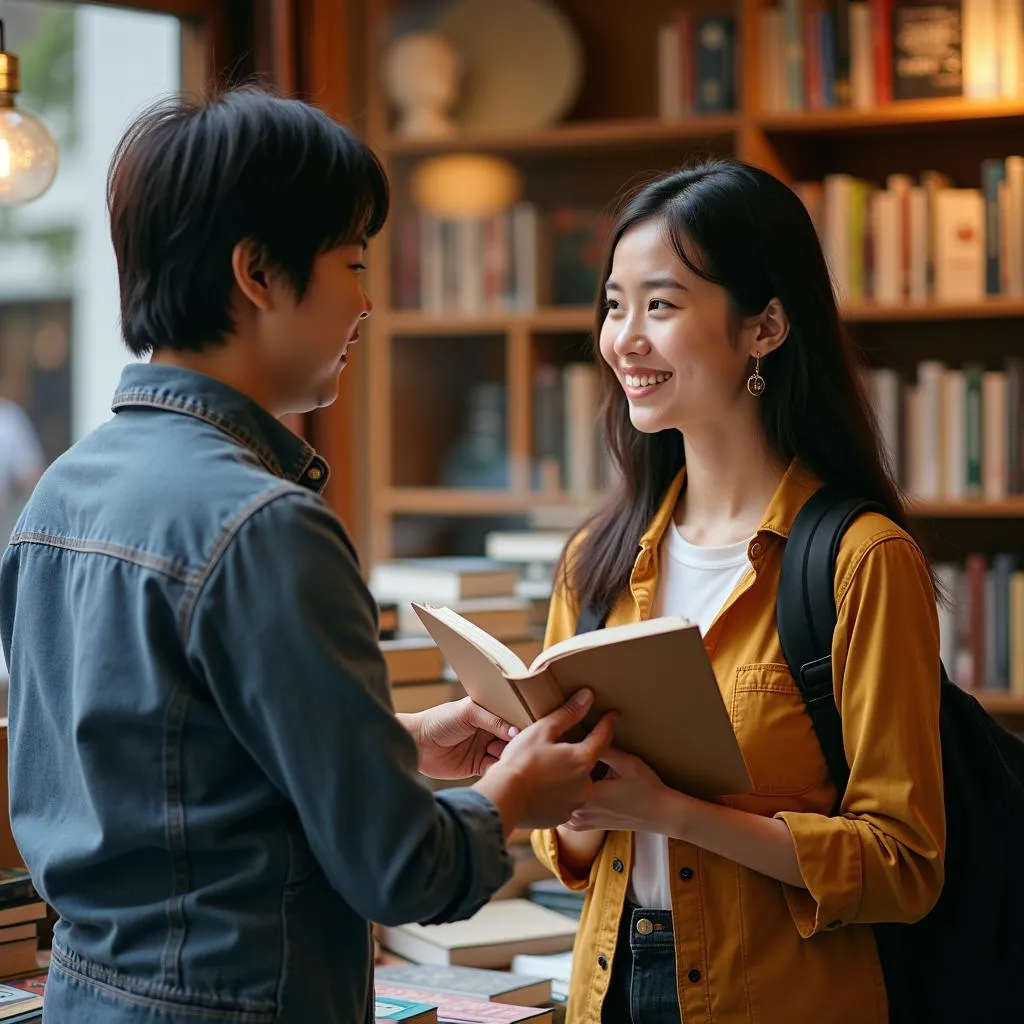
column 207, row 778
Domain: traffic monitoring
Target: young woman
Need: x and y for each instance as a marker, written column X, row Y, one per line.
column 731, row 395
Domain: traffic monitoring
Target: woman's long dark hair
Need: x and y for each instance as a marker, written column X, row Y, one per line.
column 743, row 229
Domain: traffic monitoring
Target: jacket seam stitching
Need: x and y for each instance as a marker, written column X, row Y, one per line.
column 189, row 408
column 862, row 553
column 743, row 940
column 705, row 959
column 165, row 566
column 174, row 829
column 227, row 535
column 106, row 980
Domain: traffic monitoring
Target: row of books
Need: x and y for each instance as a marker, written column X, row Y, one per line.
column 696, row 66
column 918, row 240
column 513, row 261
column 981, row 627
column 570, row 455
column 953, row 433
column 822, row 54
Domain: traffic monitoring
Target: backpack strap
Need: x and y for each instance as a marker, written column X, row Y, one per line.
column 590, row 618
column 806, row 612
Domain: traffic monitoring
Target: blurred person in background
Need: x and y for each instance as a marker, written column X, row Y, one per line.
column 21, row 462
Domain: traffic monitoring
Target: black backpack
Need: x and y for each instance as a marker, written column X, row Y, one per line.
column 960, row 962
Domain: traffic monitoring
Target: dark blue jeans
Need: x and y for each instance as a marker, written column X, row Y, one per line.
column 643, row 985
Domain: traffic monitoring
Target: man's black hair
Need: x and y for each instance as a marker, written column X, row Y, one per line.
column 191, row 179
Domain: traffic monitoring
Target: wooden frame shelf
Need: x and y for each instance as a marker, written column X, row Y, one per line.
column 572, row 319
column 1000, row 703
column 903, row 115
column 577, row 136
column 455, row 501
column 412, row 322
column 996, row 307
column 1006, row 508
column 466, row 502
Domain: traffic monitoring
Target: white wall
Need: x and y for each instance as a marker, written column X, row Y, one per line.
column 125, row 60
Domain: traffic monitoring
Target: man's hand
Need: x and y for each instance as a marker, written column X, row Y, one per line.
column 457, row 740
column 541, row 778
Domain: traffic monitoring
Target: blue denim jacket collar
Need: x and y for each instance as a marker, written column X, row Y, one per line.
column 180, row 390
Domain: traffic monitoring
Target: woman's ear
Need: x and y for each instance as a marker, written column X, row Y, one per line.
column 251, row 276
column 772, row 328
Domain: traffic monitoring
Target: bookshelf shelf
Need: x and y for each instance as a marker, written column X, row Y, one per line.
column 581, row 137
column 1007, row 508
column 994, row 308
column 452, row 501
column 997, row 702
column 574, row 319
column 570, row 319
column 904, row 115
column 461, row 501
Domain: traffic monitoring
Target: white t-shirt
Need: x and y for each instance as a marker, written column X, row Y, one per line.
column 693, row 582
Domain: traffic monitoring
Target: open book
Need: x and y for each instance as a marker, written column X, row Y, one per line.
column 656, row 673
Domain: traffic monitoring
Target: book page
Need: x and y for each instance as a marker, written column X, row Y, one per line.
column 482, row 664
column 609, row 635
column 508, row 661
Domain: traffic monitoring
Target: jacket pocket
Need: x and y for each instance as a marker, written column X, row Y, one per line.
column 775, row 733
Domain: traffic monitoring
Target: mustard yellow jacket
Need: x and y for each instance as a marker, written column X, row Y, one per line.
column 767, row 952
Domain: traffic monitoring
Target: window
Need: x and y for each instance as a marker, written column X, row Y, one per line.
column 86, row 70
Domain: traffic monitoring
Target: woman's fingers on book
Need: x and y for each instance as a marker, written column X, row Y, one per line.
column 625, row 766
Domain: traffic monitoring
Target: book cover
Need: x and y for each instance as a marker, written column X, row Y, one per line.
column 474, row 982
column 489, row 939
column 461, row 1010
column 927, row 49
column 388, row 1007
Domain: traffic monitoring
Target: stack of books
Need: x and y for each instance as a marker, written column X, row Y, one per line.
column 481, row 589
column 438, row 980
column 21, row 910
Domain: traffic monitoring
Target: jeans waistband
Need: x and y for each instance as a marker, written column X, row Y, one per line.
column 648, row 928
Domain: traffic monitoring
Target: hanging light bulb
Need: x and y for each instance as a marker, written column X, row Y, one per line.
column 28, row 154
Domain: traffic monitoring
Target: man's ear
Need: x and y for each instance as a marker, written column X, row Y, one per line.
column 772, row 328
column 251, row 276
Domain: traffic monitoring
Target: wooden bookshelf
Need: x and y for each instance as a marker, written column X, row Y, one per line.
column 581, row 318
column 1007, row 508
column 1005, row 705
column 412, row 322
column 914, row 116
column 454, row 501
column 991, row 309
column 421, row 365
column 586, row 136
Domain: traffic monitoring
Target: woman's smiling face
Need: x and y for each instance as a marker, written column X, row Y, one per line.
column 668, row 335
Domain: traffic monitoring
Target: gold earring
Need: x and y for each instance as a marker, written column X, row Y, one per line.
column 755, row 382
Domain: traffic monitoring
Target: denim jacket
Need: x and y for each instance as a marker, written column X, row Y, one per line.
column 207, row 780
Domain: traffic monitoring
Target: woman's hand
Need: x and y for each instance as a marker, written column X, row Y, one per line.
column 457, row 740
column 630, row 798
